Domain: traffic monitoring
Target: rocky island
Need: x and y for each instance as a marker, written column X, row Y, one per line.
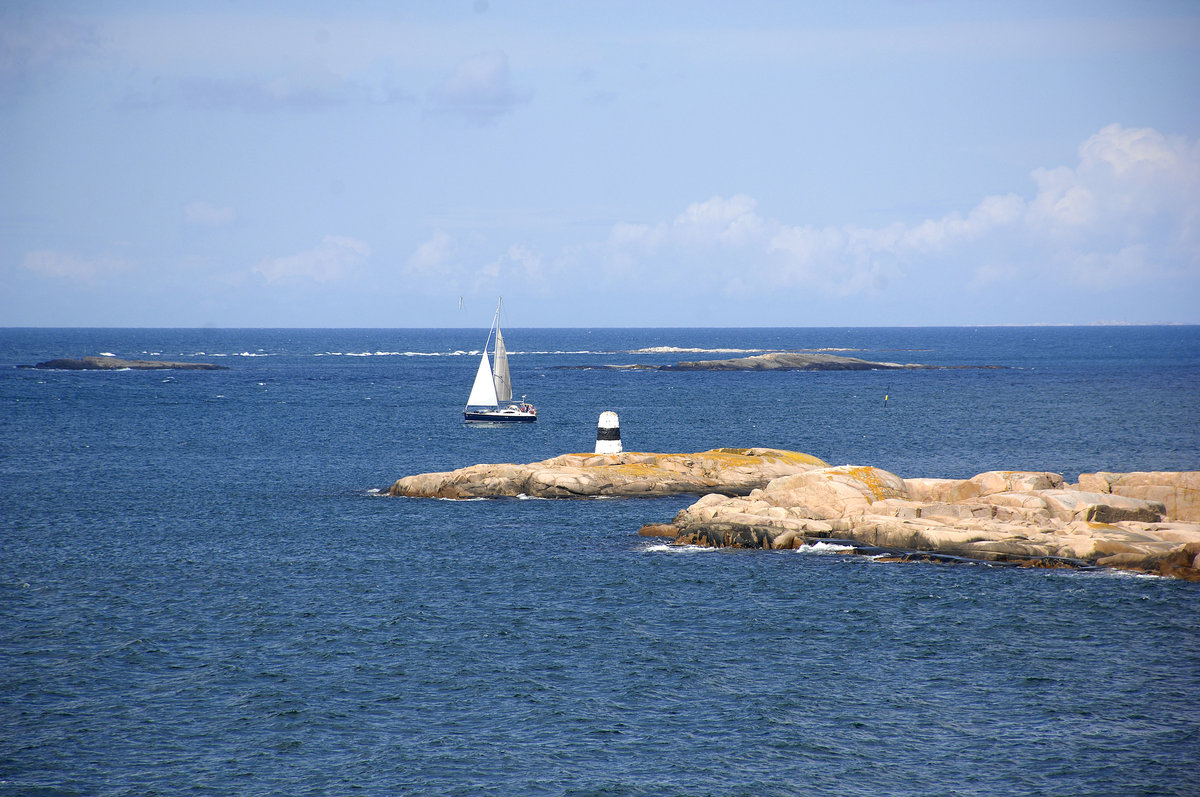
column 106, row 363
column 769, row 498
column 791, row 361
column 725, row 471
column 778, row 361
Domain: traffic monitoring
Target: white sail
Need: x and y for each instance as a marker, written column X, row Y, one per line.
column 483, row 392
column 500, row 373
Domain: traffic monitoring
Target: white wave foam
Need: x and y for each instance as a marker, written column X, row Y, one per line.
column 107, row 354
column 1113, row 573
column 456, row 353
column 685, row 350
column 394, row 353
column 825, row 548
column 662, row 547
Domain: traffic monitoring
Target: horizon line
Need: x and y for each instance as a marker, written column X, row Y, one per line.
column 1042, row 324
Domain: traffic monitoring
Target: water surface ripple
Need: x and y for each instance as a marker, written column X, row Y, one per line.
column 199, row 593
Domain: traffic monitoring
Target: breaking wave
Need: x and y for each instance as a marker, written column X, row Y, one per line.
column 690, row 350
column 663, row 547
column 457, row 353
column 825, row 548
column 685, row 350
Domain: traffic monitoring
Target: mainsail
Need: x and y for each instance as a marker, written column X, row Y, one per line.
column 500, row 371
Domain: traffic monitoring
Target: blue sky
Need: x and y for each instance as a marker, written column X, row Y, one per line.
column 599, row 164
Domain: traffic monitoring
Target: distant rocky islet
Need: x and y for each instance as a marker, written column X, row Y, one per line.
column 107, row 363
column 780, row 361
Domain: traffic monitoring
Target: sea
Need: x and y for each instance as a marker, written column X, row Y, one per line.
column 205, row 591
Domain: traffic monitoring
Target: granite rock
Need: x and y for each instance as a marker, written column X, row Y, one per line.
column 1178, row 492
column 728, row 471
column 1028, row 518
column 770, row 498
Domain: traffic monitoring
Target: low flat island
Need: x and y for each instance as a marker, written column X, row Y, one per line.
column 780, row 361
column 769, row 498
column 106, row 363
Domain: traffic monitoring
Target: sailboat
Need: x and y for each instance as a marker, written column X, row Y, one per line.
column 491, row 398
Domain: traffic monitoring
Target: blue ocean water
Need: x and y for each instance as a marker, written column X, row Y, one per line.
column 201, row 591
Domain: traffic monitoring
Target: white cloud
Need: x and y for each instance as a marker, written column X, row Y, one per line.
column 836, row 259
column 437, row 265
column 335, row 258
column 726, row 222
column 1129, row 183
column 208, row 215
column 715, row 222
column 64, row 265
column 480, row 90
column 433, row 257
column 527, row 262
column 1129, row 210
column 520, row 264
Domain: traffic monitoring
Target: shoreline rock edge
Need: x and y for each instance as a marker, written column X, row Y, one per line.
column 1002, row 517
column 1147, row 522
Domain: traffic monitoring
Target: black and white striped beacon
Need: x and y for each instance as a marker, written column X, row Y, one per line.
column 608, row 434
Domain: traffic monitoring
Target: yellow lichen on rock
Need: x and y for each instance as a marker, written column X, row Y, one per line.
column 873, row 480
column 771, row 455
